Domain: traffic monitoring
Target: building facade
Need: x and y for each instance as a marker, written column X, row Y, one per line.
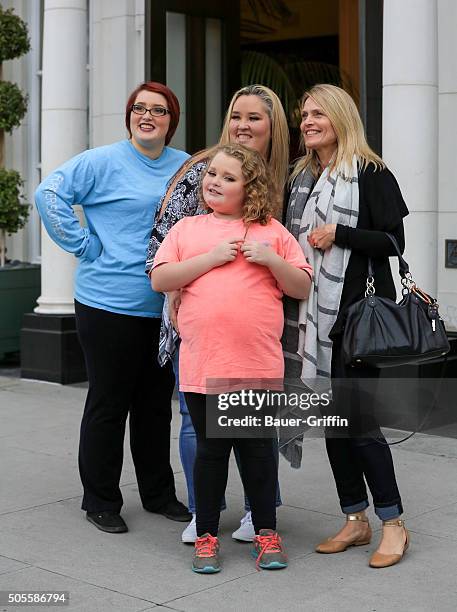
column 400, row 57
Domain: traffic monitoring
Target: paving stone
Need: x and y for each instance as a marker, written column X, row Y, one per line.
column 46, row 542
column 10, row 565
column 84, row 596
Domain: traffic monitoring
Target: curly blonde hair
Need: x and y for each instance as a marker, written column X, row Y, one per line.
column 261, row 199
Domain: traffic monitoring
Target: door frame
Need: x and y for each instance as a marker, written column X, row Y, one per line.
column 156, row 55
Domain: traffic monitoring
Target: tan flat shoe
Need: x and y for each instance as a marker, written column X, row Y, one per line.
column 381, row 560
column 330, row 546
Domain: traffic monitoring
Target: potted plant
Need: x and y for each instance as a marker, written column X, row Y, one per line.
column 13, row 212
column 19, row 282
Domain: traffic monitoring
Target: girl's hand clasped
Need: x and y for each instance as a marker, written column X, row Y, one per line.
column 258, row 252
column 253, row 251
column 225, row 251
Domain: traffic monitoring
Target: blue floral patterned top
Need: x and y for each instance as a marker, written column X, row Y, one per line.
column 184, row 201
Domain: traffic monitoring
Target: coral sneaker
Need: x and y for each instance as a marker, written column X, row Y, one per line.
column 268, row 550
column 206, row 555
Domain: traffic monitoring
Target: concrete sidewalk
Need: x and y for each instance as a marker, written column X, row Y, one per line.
column 46, row 543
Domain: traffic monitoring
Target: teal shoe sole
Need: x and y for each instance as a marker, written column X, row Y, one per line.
column 270, row 566
column 206, row 570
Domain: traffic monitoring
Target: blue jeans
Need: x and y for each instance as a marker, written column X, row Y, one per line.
column 188, row 448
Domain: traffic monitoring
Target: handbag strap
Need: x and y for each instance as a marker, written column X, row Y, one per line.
column 426, row 417
column 403, row 266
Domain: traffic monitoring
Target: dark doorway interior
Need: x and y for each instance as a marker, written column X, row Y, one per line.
column 291, row 45
column 288, row 45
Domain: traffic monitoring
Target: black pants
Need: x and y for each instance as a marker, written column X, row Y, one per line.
column 259, row 472
column 124, row 378
column 354, row 459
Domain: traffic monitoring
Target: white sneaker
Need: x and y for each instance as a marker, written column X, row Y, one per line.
column 245, row 532
column 189, row 535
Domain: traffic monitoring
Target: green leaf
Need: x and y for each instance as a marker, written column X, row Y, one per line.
column 13, row 211
column 14, row 38
column 13, row 106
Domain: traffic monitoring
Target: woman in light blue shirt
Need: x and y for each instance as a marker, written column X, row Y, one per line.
column 117, row 314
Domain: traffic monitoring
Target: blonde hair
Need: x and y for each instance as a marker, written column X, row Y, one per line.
column 344, row 116
column 259, row 205
column 278, row 157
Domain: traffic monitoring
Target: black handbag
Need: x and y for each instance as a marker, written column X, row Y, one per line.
column 381, row 333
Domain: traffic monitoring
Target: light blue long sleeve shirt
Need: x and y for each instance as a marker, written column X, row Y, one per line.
column 119, row 190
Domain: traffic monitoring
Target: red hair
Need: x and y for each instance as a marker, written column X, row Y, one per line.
column 172, row 103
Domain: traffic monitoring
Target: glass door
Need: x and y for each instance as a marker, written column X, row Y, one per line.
column 194, row 48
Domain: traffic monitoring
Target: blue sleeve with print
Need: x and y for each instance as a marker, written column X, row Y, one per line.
column 55, row 197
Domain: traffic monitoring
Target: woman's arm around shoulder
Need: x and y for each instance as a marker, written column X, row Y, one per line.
column 181, row 200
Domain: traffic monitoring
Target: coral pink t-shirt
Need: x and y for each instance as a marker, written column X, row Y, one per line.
column 231, row 318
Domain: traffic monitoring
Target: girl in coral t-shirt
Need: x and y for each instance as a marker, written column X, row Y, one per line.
column 233, row 267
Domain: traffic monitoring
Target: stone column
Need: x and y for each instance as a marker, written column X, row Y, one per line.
column 63, row 130
column 447, row 219
column 50, row 350
column 410, row 124
column 117, row 65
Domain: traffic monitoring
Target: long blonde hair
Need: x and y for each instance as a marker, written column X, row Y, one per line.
column 278, row 159
column 344, row 116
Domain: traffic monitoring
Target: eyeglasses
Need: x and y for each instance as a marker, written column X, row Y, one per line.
column 155, row 111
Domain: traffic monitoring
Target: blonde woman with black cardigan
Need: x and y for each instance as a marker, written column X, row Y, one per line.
column 343, row 201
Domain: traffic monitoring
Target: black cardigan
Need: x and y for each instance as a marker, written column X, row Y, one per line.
column 381, row 209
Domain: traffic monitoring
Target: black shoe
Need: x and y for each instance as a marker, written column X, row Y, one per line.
column 108, row 521
column 174, row 510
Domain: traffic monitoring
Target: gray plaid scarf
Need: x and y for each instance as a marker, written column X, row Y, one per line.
column 307, row 347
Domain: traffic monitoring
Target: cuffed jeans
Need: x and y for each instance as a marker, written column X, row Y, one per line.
column 355, row 459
